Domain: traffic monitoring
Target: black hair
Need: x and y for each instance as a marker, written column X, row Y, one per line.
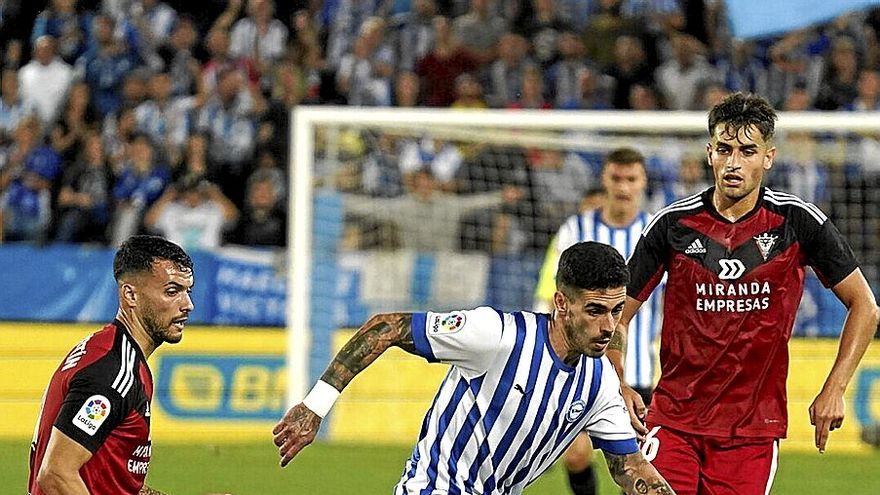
column 591, row 266
column 625, row 156
column 740, row 111
column 138, row 253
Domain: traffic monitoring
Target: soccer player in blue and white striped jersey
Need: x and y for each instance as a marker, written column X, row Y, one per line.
column 521, row 387
column 618, row 220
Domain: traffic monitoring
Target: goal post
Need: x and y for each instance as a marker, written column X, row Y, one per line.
column 331, row 144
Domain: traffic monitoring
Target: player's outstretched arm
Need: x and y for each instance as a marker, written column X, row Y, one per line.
column 636, row 475
column 617, row 355
column 827, row 410
column 59, row 472
column 298, row 428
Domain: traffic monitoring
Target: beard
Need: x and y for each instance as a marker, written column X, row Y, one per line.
column 158, row 332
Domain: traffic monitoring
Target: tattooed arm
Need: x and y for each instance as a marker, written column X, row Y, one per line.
column 617, row 355
column 636, row 475
column 299, row 426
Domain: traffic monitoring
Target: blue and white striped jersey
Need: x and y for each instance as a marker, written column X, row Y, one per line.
column 508, row 407
column 588, row 226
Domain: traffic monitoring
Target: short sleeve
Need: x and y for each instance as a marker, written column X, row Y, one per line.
column 609, row 425
column 90, row 411
column 648, row 261
column 467, row 339
column 829, row 253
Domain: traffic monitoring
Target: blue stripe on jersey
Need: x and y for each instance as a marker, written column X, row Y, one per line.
column 579, row 221
column 420, row 337
column 414, row 458
column 498, row 399
column 564, row 431
column 507, row 440
column 638, row 348
column 616, row 447
column 442, row 425
column 464, row 435
column 560, row 406
column 595, row 383
column 597, row 221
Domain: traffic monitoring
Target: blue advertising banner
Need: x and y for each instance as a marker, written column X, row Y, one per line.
column 760, row 18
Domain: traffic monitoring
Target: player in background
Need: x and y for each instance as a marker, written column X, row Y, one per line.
column 93, row 433
column 618, row 220
column 735, row 257
column 521, row 386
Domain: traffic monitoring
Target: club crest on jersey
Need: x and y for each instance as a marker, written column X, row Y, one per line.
column 448, row 323
column 765, row 243
column 576, row 410
column 92, row 414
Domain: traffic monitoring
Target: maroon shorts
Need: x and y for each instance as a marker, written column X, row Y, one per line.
column 705, row 465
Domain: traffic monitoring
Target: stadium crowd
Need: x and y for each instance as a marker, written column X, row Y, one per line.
column 122, row 116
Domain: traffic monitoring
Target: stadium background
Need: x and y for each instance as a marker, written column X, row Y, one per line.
column 221, row 390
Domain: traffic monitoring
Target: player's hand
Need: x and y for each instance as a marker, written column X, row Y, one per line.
column 295, row 431
column 637, row 410
column 826, row 414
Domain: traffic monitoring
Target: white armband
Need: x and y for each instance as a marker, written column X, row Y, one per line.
column 321, row 398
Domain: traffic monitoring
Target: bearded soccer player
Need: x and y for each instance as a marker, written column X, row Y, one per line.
column 521, row 387
column 618, row 221
column 93, row 432
column 735, row 257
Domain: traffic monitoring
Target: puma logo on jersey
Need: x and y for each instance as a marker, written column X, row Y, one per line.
column 696, row 247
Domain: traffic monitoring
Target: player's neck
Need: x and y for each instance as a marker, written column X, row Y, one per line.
column 734, row 209
column 138, row 331
column 618, row 217
column 559, row 342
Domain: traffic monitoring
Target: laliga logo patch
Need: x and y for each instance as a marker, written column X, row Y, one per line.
column 448, row 323
column 92, row 414
column 576, row 410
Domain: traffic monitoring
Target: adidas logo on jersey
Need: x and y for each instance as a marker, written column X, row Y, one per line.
column 696, row 247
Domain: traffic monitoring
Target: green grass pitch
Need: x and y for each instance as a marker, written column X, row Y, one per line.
column 325, row 469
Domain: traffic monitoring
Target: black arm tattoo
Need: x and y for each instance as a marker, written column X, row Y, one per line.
column 376, row 335
column 636, row 475
column 618, row 342
column 149, row 491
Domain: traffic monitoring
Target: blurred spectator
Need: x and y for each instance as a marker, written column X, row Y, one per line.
column 364, row 75
column 563, row 76
column 264, row 219
column 710, row 92
column 479, row 31
column 12, row 32
column 178, row 59
column 868, row 98
column 76, row 118
column 439, row 69
column 741, row 70
column 839, row 85
column 68, row 27
column 407, row 90
column 594, row 92
column 45, row 80
column 558, row 180
column 12, row 107
column 381, row 174
column 219, row 59
column 793, row 62
column 153, row 21
column 468, row 92
column 433, row 217
column 195, row 160
column 117, row 132
column 259, row 37
column 26, row 186
column 288, row 90
column 84, row 199
column 192, row 213
column 346, row 25
column 165, row 119
column 679, row 78
column 414, row 33
column 799, row 99
column 629, row 68
column 105, row 65
column 441, row 158
column 139, row 183
column 505, row 75
column 532, row 93
column 644, row 98
column 692, row 178
column 544, row 30
column 228, row 119
column 606, row 25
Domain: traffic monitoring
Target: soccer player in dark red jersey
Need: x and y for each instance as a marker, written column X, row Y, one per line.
column 735, row 257
column 93, row 432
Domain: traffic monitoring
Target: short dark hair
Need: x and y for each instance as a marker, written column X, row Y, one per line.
column 591, row 266
column 625, row 156
column 739, row 111
column 138, row 253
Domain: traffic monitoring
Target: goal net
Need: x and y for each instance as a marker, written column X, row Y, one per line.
column 421, row 209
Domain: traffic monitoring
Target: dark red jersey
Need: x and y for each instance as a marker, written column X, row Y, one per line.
column 100, row 397
column 731, row 297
